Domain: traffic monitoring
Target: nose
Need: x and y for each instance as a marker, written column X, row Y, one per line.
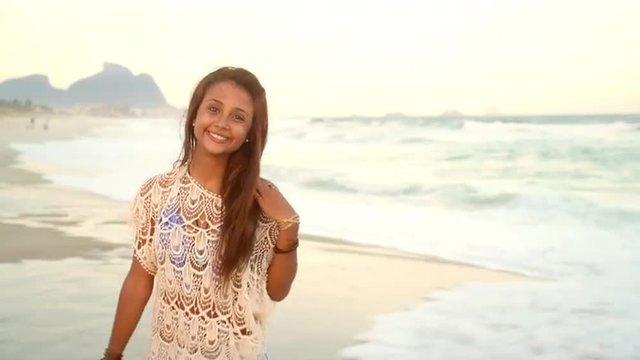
column 223, row 122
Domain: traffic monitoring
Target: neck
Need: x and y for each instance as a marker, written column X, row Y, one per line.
column 208, row 170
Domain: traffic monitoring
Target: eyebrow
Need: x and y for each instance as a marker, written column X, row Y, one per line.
column 220, row 102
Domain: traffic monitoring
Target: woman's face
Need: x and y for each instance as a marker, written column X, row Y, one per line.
column 223, row 119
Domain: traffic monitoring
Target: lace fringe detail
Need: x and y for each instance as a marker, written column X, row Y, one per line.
column 176, row 225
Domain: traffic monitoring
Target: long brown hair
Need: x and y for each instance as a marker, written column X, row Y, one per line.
column 243, row 169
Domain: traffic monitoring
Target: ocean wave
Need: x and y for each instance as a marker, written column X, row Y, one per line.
column 615, row 123
column 407, row 121
column 455, row 195
column 415, row 140
column 333, row 185
column 462, row 195
column 594, row 129
column 429, row 130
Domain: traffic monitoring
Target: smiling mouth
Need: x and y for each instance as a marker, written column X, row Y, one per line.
column 217, row 138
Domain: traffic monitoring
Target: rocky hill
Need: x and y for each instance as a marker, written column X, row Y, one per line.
column 114, row 86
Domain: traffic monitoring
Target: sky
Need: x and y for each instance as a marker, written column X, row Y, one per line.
column 348, row 57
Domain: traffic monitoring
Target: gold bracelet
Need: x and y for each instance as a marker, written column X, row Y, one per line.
column 288, row 222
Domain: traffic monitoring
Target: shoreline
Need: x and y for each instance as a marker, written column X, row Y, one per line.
column 39, row 209
column 376, row 250
column 339, row 288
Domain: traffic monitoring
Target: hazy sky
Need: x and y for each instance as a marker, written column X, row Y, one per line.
column 331, row 57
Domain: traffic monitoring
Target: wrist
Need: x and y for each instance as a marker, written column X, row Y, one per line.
column 111, row 355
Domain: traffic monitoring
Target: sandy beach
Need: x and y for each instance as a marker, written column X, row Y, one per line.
column 339, row 289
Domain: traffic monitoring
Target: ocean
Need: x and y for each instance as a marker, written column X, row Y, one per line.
column 553, row 197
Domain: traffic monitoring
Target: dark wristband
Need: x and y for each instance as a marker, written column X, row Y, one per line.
column 277, row 250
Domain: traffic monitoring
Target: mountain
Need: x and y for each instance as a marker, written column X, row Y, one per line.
column 114, row 86
column 36, row 88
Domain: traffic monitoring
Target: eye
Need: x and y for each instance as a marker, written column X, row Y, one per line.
column 213, row 109
column 238, row 117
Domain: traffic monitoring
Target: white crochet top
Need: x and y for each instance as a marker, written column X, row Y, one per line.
column 177, row 226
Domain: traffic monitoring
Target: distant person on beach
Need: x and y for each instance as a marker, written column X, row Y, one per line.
column 216, row 242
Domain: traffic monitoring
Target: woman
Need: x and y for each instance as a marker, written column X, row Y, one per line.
column 218, row 242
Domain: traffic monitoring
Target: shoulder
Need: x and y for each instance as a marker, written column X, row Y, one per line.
column 159, row 183
column 152, row 193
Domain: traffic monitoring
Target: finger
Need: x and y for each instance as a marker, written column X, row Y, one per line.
column 260, row 191
column 259, row 199
column 266, row 188
column 261, row 188
column 270, row 185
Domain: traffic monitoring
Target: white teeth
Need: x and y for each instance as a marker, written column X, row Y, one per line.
column 218, row 137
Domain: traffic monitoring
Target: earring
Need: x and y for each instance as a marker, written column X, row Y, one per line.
column 246, row 140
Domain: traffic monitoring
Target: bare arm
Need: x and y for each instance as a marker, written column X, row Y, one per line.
column 134, row 295
column 284, row 263
column 283, row 267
